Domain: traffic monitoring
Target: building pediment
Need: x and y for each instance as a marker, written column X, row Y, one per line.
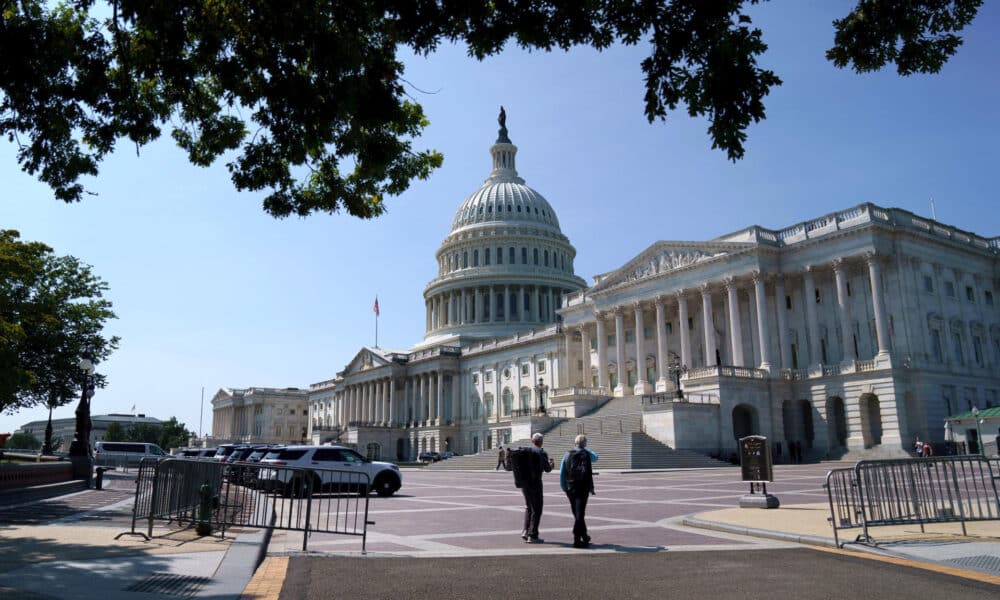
column 364, row 360
column 666, row 257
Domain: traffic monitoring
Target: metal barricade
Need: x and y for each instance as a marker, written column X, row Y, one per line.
column 255, row 496
column 951, row 489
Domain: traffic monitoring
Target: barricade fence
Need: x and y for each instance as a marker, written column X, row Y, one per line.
column 951, row 489
column 252, row 495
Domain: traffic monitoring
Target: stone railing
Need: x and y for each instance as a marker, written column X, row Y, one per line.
column 724, row 371
column 794, row 374
column 831, row 370
column 578, row 391
column 865, row 366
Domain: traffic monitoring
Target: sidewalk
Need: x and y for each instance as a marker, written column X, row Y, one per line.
column 938, row 544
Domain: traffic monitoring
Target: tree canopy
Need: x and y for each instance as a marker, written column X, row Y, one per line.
column 52, row 314
column 309, row 94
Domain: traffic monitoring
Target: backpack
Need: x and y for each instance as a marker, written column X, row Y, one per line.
column 525, row 464
column 579, row 477
column 507, row 466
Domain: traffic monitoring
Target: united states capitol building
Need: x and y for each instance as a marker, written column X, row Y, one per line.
column 855, row 332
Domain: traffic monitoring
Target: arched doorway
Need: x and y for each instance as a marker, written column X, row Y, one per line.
column 744, row 421
column 836, row 419
column 797, row 418
column 373, row 451
column 871, row 420
column 475, row 444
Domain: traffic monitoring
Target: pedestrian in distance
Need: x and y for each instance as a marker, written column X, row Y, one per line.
column 501, row 458
column 528, row 465
column 928, row 451
column 576, row 478
column 919, row 447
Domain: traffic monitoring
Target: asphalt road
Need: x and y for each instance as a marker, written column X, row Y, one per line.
column 790, row 574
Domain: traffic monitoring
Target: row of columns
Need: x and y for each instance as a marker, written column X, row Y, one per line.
column 736, row 338
column 468, row 306
column 375, row 402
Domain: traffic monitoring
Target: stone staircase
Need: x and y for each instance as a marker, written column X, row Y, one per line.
column 614, row 432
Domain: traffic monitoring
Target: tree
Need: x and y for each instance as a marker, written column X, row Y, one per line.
column 311, row 95
column 23, row 441
column 147, row 433
column 115, row 432
column 174, row 434
column 52, row 313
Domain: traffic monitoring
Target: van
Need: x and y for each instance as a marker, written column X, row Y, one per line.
column 127, row 454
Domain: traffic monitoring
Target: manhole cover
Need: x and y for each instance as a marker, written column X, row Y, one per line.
column 987, row 563
column 185, row 586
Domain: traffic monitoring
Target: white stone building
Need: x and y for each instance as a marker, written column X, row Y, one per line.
column 856, row 331
column 260, row 415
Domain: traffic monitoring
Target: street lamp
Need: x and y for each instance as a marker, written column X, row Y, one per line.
column 79, row 450
column 979, row 433
column 540, row 391
column 675, row 371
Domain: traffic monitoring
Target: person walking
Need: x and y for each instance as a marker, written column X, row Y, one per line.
column 501, row 459
column 919, row 447
column 576, row 478
column 531, row 488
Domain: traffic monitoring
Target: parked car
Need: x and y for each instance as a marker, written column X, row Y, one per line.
column 447, row 454
column 126, row 454
column 429, row 457
column 331, row 463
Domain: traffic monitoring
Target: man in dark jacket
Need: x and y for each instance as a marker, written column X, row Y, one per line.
column 531, row 488
column 578, row 486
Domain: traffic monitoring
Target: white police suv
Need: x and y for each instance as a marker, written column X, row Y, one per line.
column 327, row 468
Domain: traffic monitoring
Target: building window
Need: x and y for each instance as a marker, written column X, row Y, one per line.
column 475, row 379
column 541, row 366
column 534, row 252
column 977, row 349
column 499, row 256
column 593, row 344
column 928, row 284
column 949, row 289
column 524, row 256
column 508, row 399
column 629, row 336
column 486, row 256
column 650, row 374
column 506, row 373
column 489, row 405
column 989, row 297
column 525, row 369
column 956, row 338
column 669, row 326
column 510, row 253
column 489, row 376
column 788, row 303
column 647, row 332
column 277, row 430
column 465, row 259
column 546, row 254
column 611, row 340
column 970, row 294
column 475, row 258
column 630, row 377
column 936, row 350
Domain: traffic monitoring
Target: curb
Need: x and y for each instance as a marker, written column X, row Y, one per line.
column 782, row 536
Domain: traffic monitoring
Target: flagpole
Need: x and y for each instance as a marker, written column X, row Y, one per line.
column 201, row 413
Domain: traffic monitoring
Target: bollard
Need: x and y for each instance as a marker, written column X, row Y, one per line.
column 204, row 526
column 99, row 481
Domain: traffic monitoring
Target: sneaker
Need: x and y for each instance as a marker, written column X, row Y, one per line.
column 534, row 540
column 581, row 544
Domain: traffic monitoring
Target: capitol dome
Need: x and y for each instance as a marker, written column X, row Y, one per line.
column 505, row 265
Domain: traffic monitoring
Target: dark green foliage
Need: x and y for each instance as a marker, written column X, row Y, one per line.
column 174, row 434
column 52, row 313
column 310, row 96
column 115, row 433
column 143, row 432
column 24, row 441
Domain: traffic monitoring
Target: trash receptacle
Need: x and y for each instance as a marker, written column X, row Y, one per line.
column 99, row 480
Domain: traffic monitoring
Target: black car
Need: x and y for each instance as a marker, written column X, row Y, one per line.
column 429, row 457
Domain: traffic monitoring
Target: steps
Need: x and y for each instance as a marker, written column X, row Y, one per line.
column 614, row 432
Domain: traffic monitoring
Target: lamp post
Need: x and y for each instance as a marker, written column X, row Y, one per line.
column 979, row 433
column 47, row 446
column 79, row 450
column 540, row 391
column 675, row 371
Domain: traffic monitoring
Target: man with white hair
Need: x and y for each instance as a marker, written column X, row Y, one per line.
column 531, row 488
column 576, row 478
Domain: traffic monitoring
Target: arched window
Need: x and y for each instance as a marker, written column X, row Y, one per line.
column 525, row 398
column 475, row 258
column 510, row 255
column 546, row 258
column 508, row 399
column 535, row 252
column 499, row 256
column 524, row 256
column 486, row 256
column 488, row 401
column 465, row 259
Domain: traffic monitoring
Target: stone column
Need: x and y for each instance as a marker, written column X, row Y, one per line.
column 735, row 324
column 620, row 350
column 878, row 304
column 585, row 356
column 427, row 315
column 439, row 392
column 602, row 352
column 812, row 321
column 640, row 352
column 456, row 397
column 536, row 313
column 551, row 316
column 506, row 304
column 708, row 322
column 479, row 306
column 763, row 328
column 682, row 316
column 661, row 347
column 493, row 305
column 784, row 348
column 407, row 408
column 843, row 310
column 523, row 299
column 392, row 403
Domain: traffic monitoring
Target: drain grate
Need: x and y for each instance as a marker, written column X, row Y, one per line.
column 987, row 563
column 185, row 586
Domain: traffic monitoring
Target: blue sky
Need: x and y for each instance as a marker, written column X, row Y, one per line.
column 211, row 292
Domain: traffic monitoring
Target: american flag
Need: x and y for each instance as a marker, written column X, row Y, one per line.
column 375, row 308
